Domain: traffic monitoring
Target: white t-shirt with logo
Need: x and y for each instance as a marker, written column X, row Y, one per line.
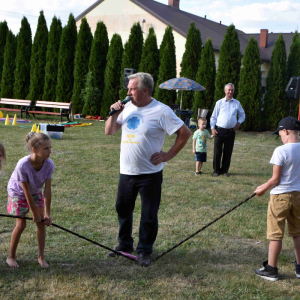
column 288, row 157
column 143, row 134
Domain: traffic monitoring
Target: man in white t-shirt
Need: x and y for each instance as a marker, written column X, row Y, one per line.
column 144, row 122
column 284, row 204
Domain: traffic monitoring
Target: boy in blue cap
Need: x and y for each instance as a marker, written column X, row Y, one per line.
column 284, row 204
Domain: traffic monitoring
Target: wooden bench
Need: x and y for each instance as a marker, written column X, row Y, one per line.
column 19, row 102
column 65, row 109
column 28, row 106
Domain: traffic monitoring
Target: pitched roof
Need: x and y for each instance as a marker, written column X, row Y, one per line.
column 266, row 53
column 181, row 20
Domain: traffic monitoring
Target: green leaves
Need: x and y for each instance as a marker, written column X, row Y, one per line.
column 82, row 57
column 250, row 91
column 112, row 74
column 275, row 101
column 38, row 60
column 205, row 76
column 22, row 70
column 229, row 63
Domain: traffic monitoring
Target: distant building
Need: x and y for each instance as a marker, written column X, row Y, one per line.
column 120, row 15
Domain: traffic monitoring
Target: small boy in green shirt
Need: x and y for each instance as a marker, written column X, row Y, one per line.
column 199, row 144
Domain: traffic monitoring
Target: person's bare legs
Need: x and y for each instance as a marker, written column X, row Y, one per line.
column 41, row 237
column 296, row 240
column 197, row 166
column 15, row 238
column 200, row 165
column 274, row 251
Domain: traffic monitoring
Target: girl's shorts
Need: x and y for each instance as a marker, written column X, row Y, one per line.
column 20, row 207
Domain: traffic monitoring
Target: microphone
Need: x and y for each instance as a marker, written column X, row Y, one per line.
column 127, row 99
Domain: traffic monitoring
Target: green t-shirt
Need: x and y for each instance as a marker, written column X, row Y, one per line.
column 201, row 139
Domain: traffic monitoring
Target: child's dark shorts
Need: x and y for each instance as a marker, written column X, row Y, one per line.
column 200, row 156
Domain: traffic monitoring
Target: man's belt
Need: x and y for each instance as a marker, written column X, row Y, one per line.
column 225, row 129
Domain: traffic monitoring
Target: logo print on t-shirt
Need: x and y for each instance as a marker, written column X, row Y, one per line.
column 133, row 123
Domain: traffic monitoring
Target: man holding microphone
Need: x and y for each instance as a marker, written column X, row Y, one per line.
column 144, row 122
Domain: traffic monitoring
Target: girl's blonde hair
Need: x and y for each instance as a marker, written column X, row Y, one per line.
column 35, row 140
column 3, row 154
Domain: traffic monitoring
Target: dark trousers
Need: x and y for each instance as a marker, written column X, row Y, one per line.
column 223, row 146
column 149, row 187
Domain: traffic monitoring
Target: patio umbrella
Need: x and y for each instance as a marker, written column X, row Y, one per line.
column 183, row 84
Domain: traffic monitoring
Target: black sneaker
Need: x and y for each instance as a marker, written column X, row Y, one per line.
column 126, row 249
column 226, row 174
column 267, row 272
column 144, row 259
column 198, row 173
column 297, row 269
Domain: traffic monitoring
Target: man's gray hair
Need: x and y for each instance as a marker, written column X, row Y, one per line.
column 145, row 81
column 229, row 84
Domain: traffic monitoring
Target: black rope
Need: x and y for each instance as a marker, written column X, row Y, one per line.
column 74, row 233
column 121, row 254
column 159, row 256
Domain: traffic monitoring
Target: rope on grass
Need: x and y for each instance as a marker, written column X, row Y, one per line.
column 204, row 227
column 74, row 233
column 131, row 257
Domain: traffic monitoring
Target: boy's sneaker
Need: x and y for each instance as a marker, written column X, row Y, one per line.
column 267, row 272
column 297, row 269
column 198, row 173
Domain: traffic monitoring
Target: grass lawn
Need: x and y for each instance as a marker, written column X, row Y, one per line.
column 217, row 263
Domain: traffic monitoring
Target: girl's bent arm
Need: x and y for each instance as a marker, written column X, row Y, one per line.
column 29, row 199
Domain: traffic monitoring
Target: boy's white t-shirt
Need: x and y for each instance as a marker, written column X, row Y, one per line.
column 143, row 134
column 288, row 157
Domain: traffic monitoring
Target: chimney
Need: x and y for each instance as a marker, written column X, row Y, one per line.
column 263, row 38
column 174, row 3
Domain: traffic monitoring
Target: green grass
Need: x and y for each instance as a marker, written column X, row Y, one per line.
column 217, row 263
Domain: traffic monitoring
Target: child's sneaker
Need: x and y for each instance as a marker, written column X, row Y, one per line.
column 267, row 272
column 198, row 173
column 297, row 269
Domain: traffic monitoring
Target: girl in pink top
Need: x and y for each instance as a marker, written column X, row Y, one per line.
column 25, row 192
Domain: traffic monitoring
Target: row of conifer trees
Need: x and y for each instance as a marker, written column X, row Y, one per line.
column 63, row 65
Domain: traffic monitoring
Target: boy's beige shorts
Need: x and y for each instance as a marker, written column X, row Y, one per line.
column 283, row 207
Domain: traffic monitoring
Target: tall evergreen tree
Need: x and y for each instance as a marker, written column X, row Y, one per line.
column 166, row 71
column 293, row 65
column 150, row 56
column 22, row 70
column 190, row 61
column 132, row 54
column 66, row 54
column 112, row 74
column 52, row 60
column 250, row 91
column 3, row 34
column 275, row 101
column 229, row 63
column 167, row 68
column 97, row 65
column 8, row 79
column 38, row 60
column 206, row 76
column 81, row 66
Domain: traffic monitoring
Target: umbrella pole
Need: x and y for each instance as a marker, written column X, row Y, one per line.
column 181, row 99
